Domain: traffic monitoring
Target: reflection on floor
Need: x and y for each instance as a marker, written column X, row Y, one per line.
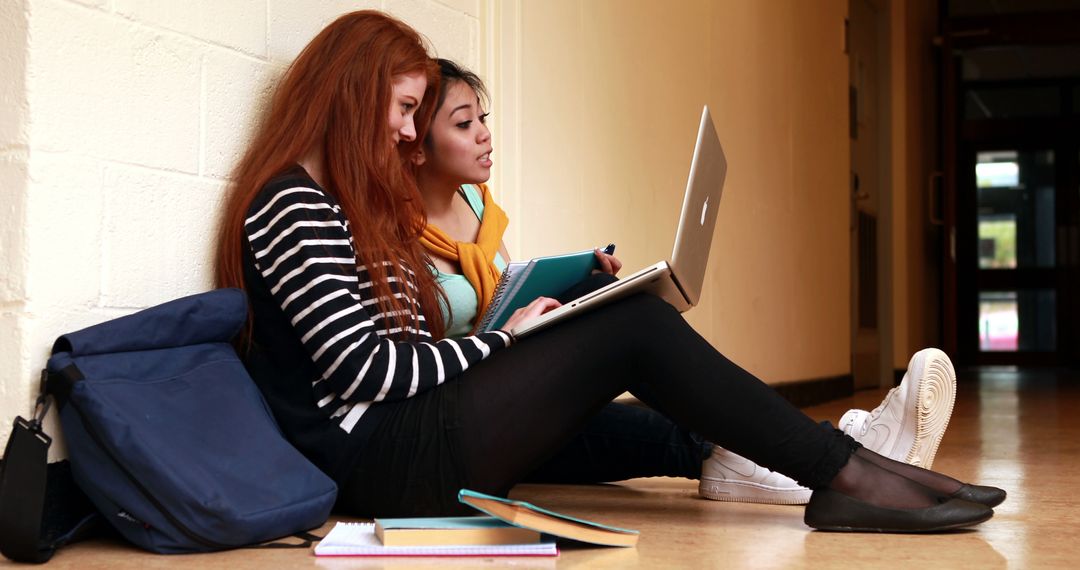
column 1015, row 429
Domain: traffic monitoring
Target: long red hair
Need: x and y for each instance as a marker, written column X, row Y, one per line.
column 336, row 95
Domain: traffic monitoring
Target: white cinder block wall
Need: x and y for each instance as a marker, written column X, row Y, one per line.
column 120, row 121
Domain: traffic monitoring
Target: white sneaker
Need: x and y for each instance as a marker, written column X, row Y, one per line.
column 726, row 476
column 909, row 423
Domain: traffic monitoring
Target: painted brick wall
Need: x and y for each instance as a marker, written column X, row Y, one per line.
column 120, row 121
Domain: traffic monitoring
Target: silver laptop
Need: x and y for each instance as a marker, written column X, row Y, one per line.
column 679, row 280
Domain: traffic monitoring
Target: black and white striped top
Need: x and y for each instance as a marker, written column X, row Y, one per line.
column 303, row 251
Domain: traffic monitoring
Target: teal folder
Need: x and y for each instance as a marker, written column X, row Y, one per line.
column 523, row 281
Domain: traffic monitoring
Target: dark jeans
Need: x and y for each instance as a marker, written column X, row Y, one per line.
column 623, row 442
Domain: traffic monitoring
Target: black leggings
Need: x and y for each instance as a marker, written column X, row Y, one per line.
column 506, row 416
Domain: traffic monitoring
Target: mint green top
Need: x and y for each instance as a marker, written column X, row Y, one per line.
column 460, row 294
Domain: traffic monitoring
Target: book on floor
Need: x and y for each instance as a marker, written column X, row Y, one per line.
column 358, row 539
column 523, row 281
column 431, row 531
column 527, row 515
column 435, row 535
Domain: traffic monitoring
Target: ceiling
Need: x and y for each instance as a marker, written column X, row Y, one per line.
column 1021, row 62
column 995, row 7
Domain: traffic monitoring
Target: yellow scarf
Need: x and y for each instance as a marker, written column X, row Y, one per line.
column 477, row 260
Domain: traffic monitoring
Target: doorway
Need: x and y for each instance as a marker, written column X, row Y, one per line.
column 1012, row 157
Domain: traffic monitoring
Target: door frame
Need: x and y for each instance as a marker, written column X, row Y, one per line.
column 883, row 338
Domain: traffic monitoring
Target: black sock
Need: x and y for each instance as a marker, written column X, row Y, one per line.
column 936, row 481
column 871, row 483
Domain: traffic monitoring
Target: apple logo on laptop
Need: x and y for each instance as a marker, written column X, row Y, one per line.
column 704, row 209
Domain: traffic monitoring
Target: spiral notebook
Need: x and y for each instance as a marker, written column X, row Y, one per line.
column 358, row 539
column 524, row 281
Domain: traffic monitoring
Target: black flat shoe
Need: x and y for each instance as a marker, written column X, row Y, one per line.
column 989, row 496
column 831, row 510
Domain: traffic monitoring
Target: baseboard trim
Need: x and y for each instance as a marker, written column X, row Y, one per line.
column 817, row 391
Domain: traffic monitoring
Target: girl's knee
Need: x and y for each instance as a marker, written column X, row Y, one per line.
column 656, row 309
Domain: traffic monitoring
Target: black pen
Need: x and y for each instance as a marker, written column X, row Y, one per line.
column 610, row 249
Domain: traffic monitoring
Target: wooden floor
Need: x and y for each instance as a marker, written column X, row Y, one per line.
column 1020, row 431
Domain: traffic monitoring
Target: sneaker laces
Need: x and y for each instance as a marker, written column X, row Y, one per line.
column 885, row 402
column 857, row 422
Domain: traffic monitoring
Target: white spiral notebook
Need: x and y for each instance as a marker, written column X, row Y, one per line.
column 358, row 539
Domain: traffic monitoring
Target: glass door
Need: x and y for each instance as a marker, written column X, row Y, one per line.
column 1015, row 211
column 1011, row 280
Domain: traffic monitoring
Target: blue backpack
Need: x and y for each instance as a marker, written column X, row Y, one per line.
column 170, row 438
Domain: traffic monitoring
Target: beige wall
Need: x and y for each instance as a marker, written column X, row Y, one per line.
column 606, row 97
column 120, row 121
column 916, row 259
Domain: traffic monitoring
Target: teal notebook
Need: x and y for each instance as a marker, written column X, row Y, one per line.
column 431, row 531
column 450, row 523
column 523, row 281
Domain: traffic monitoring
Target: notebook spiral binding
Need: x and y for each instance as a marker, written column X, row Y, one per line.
column 496, row 298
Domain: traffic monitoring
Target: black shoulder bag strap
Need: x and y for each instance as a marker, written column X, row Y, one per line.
column 41, row 509
column 22, row 488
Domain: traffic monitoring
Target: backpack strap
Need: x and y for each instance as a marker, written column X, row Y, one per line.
column 306, row 540
column 27, row 532
column 22, row 487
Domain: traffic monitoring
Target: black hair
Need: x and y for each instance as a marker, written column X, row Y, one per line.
column 452, row 73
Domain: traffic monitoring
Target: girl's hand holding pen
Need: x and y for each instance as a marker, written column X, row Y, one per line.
column 608, row 263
